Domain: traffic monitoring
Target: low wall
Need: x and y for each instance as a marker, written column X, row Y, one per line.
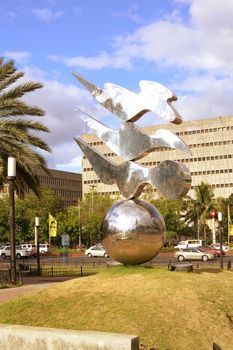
column 13, row 337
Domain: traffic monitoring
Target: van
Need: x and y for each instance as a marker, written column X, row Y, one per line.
column 44, row 248
column 189, row 243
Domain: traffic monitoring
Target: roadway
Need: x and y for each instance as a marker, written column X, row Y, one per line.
column 161, row 259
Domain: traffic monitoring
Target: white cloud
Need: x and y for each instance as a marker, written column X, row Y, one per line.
column 59, row 101
column 19, row 56
column 47, row 15
column 198, row 49
column 129, row 14
column 96, row 62
column 203, row 42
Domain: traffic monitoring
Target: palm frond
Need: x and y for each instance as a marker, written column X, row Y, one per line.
column 20, row 90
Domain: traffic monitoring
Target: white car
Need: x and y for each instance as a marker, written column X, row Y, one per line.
column 97, row 251
column 5, row 252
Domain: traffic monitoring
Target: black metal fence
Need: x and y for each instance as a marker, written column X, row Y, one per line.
column 65, row 270
column 85, row 268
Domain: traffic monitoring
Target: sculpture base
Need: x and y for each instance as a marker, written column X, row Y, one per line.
column 133, row 232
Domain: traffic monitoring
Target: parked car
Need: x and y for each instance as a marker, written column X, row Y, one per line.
column 193, row 254
column 5, row 252
column 29, row 247
column 97, row 251
column 217, row 246
column 212, row 250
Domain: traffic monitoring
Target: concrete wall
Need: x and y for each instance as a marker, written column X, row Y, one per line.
column 13, row 337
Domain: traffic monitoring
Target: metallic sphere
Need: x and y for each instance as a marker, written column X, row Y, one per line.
column 133, row 231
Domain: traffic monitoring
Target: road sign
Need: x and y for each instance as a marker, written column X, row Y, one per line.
column 65, row 240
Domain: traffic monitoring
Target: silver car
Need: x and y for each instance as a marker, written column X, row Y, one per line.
column 5, row 252
column 193, row 254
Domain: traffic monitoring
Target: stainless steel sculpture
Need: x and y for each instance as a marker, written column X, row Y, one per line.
column 130, row 106
column 129, row 142
column 133, row 231
column 172, row 179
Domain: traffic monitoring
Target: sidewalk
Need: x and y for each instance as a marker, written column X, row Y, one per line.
column 30, row 284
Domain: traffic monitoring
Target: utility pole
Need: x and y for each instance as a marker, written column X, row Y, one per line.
column 37, row 234
column 11, row 176
column 220, row 234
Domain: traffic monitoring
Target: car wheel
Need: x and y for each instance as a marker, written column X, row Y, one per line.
column 18, row 256
column 89, row 255
column 181, row 258
column 105, row 255
column 205, row 258
column 3, row 255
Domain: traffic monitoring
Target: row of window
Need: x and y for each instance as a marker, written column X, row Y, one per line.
column 202, row 131
column 193, row 173
column 67, row 193
column 186, row 132
column 218, row 185
column 47, row 180
column 185, row 160
column 194, row 145
column 221, row 171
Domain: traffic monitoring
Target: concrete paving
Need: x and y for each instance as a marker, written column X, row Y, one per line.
column 29, row 285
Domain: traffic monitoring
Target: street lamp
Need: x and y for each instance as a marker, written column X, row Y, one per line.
column 92, row 197
column 11, row 176
column 37, row 239
column 220, row 233
column 79, row 215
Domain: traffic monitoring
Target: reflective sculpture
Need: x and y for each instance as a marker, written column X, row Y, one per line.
column 133, row 231
column 129, row 142
column 130, row 106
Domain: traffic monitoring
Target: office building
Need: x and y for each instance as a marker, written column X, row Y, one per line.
column 211, row 144
column 65, row 184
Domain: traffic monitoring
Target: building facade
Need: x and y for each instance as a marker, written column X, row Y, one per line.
column 211, row 144
column 65, row 184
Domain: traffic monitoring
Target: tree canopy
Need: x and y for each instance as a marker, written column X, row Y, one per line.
column 18, row 133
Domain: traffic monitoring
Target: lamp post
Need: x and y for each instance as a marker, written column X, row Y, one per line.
column 92, row 197
column 220, row 233
column 213, row 215
column 11, row 176
column 79, row 215
column 37, row 226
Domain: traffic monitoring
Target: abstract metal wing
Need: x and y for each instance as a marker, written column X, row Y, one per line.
column 130, row 106
column 130, row 142
column 172, row 179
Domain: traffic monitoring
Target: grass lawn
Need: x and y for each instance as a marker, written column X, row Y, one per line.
column 168, row 310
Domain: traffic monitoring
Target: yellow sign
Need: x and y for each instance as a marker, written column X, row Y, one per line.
column 230, row 225
column 52, row 226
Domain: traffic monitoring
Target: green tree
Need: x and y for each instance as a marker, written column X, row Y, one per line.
column 4, row 224
column 69, row 223
column 17, row 132
column 30, row 207
column 93, row 208
column 199, row 208
column 172, row 212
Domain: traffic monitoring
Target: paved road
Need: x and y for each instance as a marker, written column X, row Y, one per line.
column 82, row 260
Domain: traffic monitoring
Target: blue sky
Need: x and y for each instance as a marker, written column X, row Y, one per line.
column 184, row 44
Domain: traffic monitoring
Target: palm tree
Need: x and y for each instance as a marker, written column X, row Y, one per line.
column 18, row 132
column 200, row 207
